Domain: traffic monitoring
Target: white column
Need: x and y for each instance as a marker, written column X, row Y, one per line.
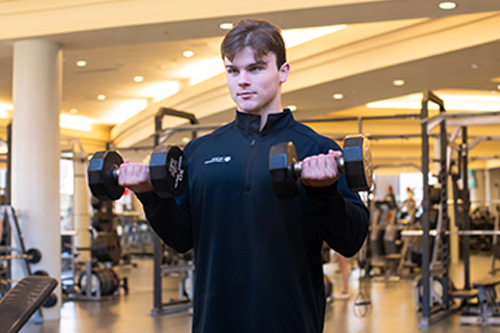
column 37, row 82
column 81, row 206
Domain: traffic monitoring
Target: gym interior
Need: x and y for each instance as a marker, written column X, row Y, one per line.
column 419, row 80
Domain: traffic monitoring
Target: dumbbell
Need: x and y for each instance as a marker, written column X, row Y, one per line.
column 32, row 256
column 167, row 173
column 356, row 163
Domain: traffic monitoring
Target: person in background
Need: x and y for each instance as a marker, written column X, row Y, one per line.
column 390, row 200
column 409, row 206
column 345, row 271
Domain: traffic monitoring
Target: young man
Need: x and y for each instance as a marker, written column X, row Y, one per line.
column 258, row 257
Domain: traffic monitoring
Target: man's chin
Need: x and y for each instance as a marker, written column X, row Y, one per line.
column 248, row 110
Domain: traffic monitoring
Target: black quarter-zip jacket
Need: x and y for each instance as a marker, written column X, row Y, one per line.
column 258, row 257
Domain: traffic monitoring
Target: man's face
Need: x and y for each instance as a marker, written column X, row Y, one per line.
column 255, row 84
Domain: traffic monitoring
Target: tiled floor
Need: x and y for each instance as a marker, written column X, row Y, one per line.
column 392, row 309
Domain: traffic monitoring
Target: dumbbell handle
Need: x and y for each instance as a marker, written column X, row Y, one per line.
column 297, row 167
column 116, row 173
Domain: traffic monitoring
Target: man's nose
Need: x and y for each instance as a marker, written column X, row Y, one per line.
column 243, row 79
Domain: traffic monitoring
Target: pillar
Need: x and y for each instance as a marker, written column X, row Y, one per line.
column 37, row 81
column 81, row 206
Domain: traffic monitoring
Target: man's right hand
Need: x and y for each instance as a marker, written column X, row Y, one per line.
column 135, row 176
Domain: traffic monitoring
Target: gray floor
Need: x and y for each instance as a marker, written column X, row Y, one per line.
column 392, row 310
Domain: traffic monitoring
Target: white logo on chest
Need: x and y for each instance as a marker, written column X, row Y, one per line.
column 218, row 159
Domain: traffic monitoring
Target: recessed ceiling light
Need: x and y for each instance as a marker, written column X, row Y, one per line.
column 226, row 26
column 73, row 110
column 101, row 97
column 398, row 82
column 474, row 66
column 338, row 96
column 498, row 87
column 292, row 107
column 188, row 54
column 81, row 63
column 138, row 78
column 447, row 5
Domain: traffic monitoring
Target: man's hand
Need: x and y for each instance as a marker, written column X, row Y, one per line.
column 135, row 176
column 321, row 170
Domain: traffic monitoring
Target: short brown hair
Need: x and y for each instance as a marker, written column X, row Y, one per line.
column 261, row 36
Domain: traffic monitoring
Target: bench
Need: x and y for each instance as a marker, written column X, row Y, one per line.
column 21, row 302
column 486, row 311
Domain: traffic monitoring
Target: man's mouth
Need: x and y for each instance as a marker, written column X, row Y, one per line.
column 245, row 94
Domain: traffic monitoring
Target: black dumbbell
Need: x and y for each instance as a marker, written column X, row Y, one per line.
column 167, row 173
column 50, row 301
column 32, row 256
column 356, row 163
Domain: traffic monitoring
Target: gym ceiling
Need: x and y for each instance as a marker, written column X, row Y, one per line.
column 370, row 45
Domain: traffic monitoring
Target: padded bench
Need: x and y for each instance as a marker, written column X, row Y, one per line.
column 486, row 311
column 21, row 302
column 464, row 295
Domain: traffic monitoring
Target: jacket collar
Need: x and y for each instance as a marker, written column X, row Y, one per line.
column 250, row 123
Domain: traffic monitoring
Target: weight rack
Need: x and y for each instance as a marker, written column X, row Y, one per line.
column 8, row 215
column 183, row 304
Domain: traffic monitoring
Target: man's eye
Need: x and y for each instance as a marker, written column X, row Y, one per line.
column 232, row 71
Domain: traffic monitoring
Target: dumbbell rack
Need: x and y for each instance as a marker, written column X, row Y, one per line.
column 94, row 292
column 184, row 302
column 160, row 308
column 162, row 135
column 9, row 216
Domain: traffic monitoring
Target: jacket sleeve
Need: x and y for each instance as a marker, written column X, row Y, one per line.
column 170, row 220
column 343, row 218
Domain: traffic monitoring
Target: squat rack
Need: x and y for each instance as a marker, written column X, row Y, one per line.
column 461, row 197
column 441, row 270
column 160, row 308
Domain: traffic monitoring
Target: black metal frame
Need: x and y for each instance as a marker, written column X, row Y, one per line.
column 429, row 314
column 159, row 307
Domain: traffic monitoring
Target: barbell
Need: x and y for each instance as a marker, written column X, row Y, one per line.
column 434, row 232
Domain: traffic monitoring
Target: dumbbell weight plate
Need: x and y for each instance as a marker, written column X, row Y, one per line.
column 103, row 181
column 33, row 255
column 41, row 272
column 115, row 280
column 168, row 171
column 282, row 157
column 50, row 301
column 97, row 282
column 106, row 282
column 358, row 165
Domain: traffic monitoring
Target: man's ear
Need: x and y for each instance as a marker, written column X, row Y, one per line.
column 283, row 72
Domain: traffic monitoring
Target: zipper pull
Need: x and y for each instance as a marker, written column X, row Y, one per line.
column 253, row 143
